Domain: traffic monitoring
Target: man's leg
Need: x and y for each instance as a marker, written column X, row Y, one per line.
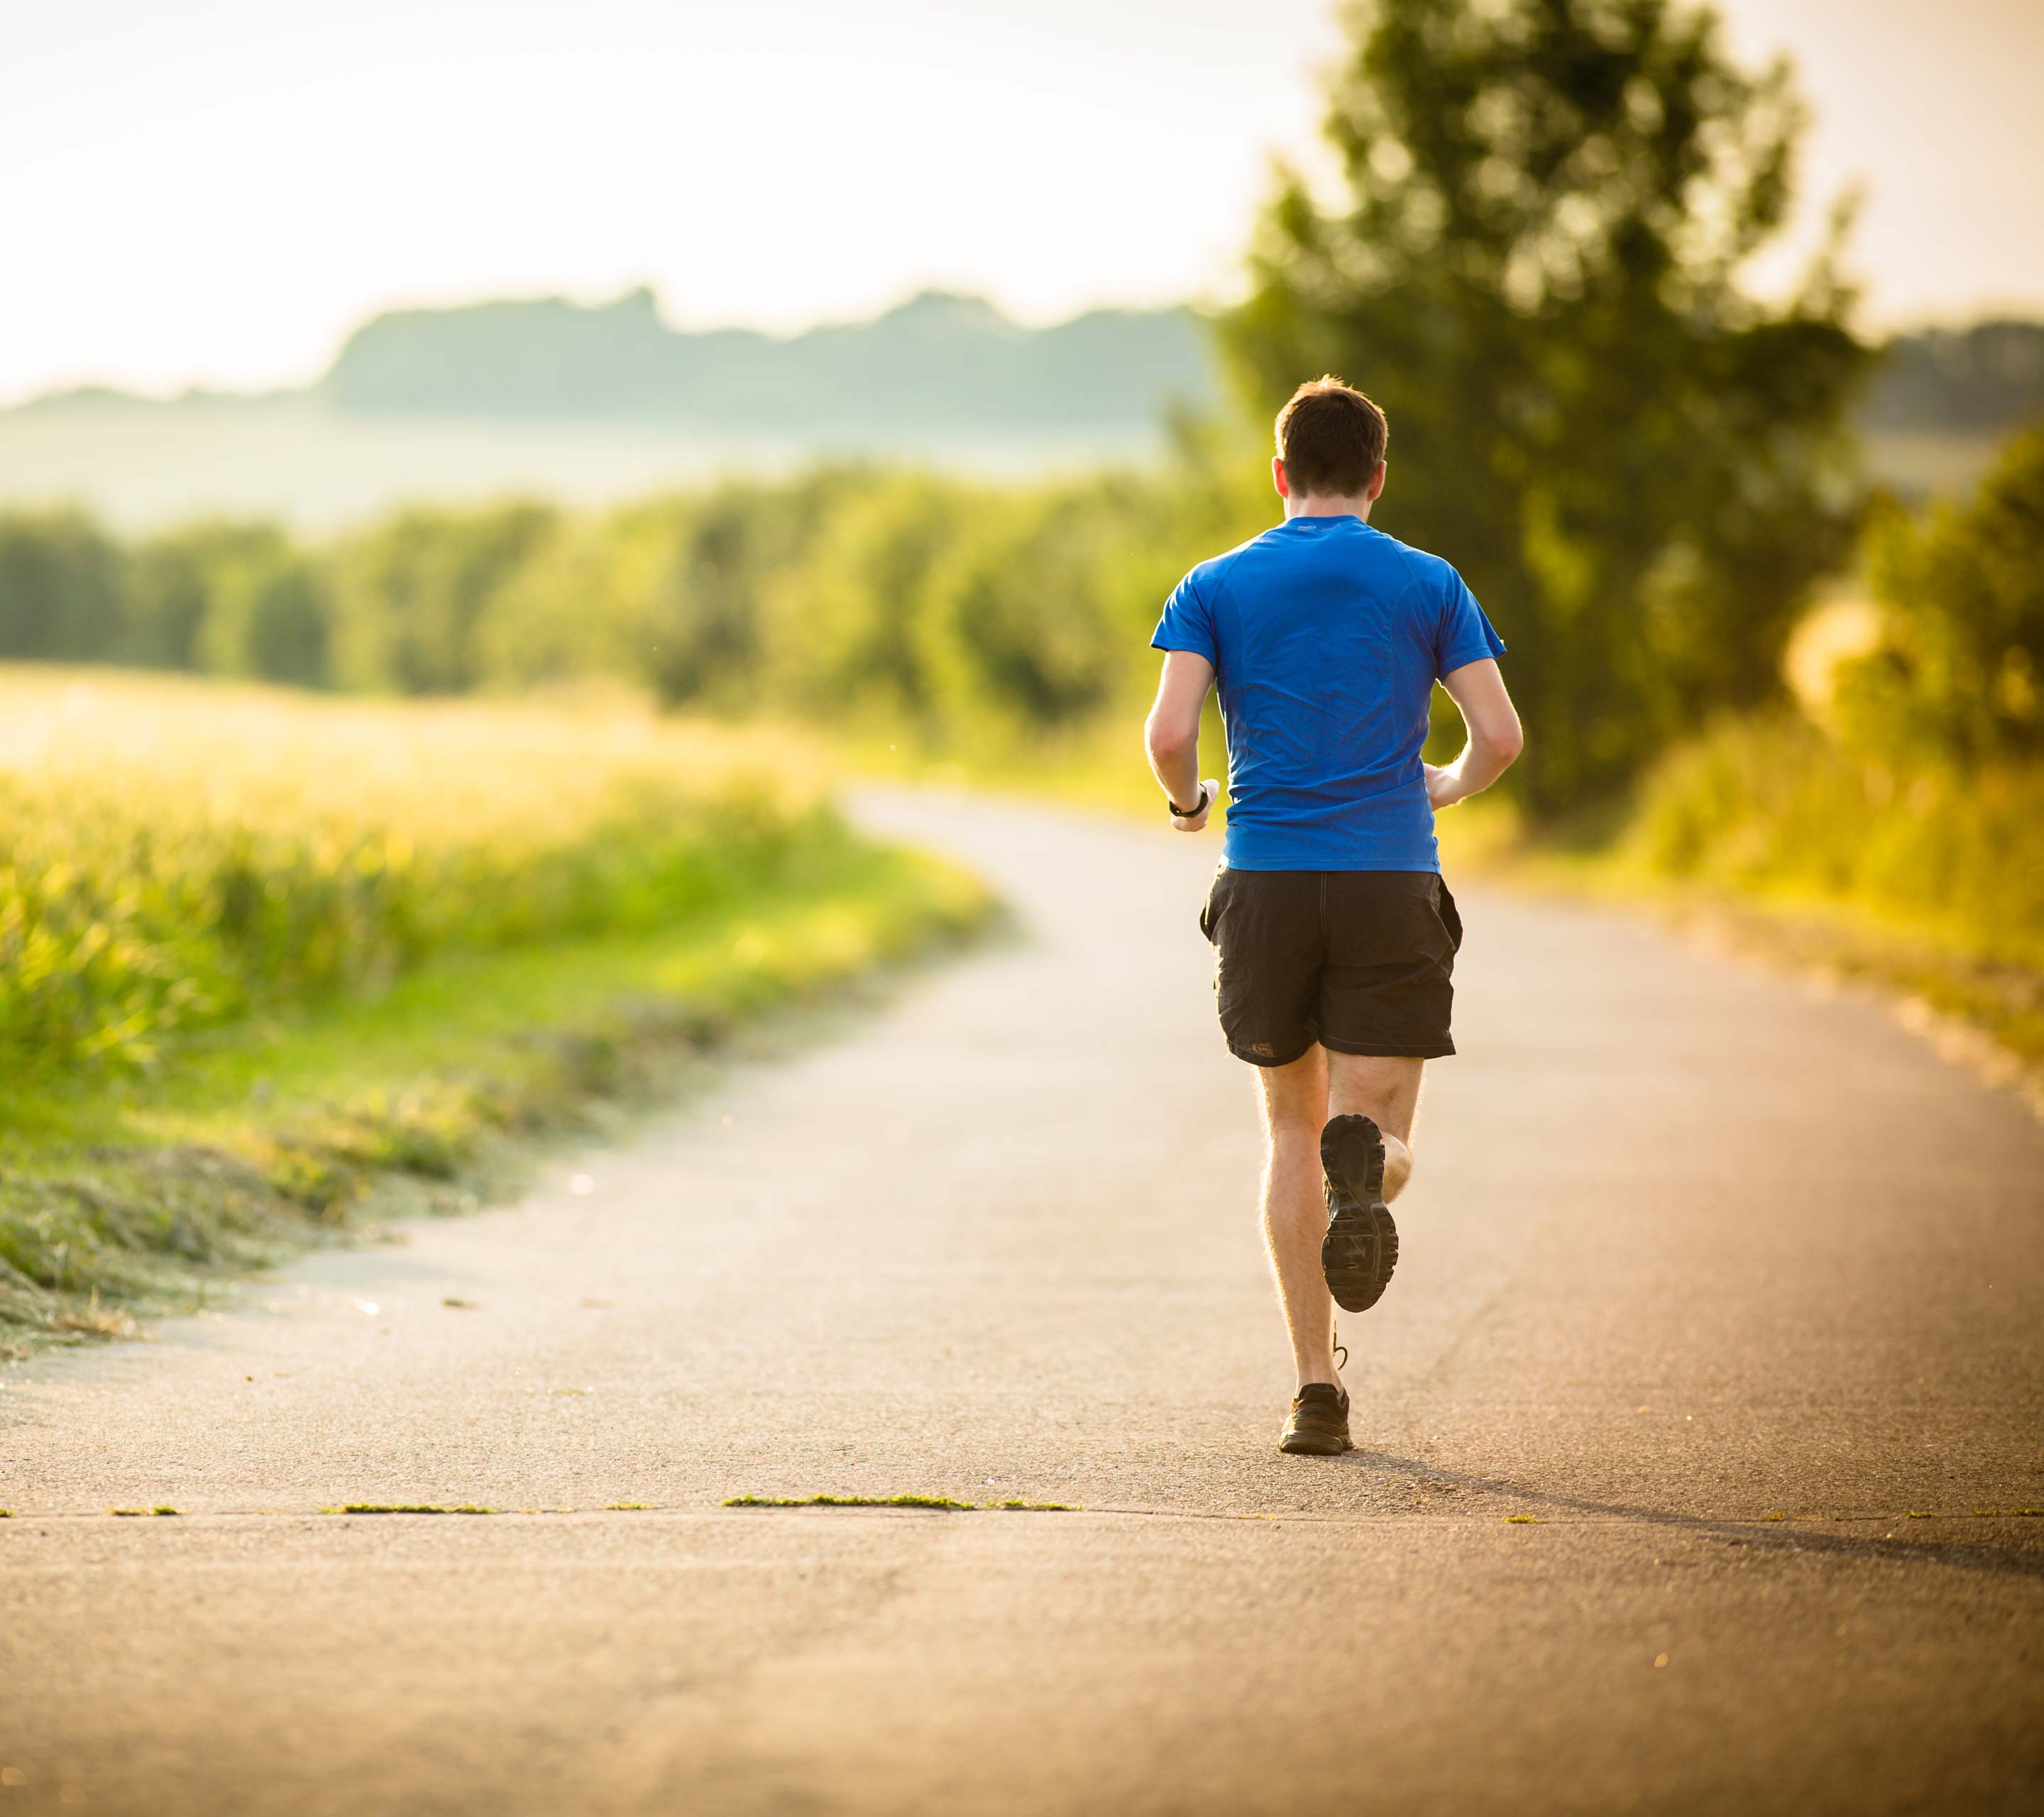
column 1295, row 1214
column 1387, row 1092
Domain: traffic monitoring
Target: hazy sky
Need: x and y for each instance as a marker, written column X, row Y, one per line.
column 216, row 190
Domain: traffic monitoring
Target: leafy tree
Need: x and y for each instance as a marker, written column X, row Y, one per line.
column 269, row 608
column 1961, row 670
column 61, row 586
column 169, row 592
column 843, row 627
column 1031, row 616
column 1532, row 267
column 413, row 588
column 705, row 623
column 576, row 606
column 174, row 578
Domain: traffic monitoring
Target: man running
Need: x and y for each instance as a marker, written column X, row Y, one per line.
column 1335, row 936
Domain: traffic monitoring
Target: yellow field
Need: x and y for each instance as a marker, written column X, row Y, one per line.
column 175, row 853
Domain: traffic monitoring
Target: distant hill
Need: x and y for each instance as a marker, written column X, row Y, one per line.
column 1987, row 379
column 595, row 403
column 939, row 361
column 591, row 405
column 942, row 360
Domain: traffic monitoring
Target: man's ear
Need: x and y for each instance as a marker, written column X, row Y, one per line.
column 1376, row 482
column 1278, row 476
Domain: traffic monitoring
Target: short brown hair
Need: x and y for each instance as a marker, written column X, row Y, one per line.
column 1330, row 438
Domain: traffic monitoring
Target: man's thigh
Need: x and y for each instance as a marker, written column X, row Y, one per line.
column 1295, row 1096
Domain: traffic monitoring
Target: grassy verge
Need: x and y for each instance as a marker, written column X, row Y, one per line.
column 140, row 1196
column 1983, row 1011
column 1765, row 836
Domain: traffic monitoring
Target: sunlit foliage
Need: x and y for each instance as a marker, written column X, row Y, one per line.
column 1532, row 261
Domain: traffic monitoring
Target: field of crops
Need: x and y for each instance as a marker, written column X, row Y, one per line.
column 261, row 950
column 174, row 856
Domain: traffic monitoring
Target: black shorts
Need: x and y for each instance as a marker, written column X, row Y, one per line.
column 1359, row 961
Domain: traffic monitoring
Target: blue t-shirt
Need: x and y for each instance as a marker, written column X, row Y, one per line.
column 1327, row 637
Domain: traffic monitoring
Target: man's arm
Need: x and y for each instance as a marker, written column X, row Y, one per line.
column 1171, row 735
column 1495, row 738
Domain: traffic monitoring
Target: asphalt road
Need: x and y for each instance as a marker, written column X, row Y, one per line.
column 1692, row 1249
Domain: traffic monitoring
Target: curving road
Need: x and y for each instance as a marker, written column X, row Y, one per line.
column 1690, row 1249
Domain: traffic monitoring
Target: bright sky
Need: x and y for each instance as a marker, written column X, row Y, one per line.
column 215, row 191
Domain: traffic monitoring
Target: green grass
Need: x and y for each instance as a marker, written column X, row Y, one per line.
column 931, row 1501
column 408, row 1508
column 1773, row 804
column 1925, row 883
column 137, row 1194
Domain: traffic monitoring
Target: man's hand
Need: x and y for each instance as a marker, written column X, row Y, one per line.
column 1444, row 786
column 1495, row 739
column 1193, row 823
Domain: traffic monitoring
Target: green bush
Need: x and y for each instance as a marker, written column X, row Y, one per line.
column 1772, row 804
column 62, row 587
column 1960, row 672
column 412, row 589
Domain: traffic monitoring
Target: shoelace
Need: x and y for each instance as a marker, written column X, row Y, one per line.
column 1341, row 1349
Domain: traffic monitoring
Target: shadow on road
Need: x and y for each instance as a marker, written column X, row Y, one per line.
column 1998, row 1560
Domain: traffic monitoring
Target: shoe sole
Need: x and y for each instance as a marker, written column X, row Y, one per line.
column 1304, row 1447
column 1361, row 1247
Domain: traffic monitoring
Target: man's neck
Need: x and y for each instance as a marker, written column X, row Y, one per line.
column 1328, row 505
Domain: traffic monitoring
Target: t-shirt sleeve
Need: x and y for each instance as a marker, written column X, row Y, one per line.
column 1465, row 635
column 1186, row 624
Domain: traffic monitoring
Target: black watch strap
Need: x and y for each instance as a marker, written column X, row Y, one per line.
column 1199, row 807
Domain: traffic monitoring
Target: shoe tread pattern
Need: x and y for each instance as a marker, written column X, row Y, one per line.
column 1361, row 1247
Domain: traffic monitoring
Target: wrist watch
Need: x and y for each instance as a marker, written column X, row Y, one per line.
column 1199, row 807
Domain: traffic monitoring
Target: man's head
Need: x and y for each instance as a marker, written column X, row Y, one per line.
column 1331, row 444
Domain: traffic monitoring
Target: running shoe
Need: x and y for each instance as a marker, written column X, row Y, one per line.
column 1361, row 1247
column 1318, row 1427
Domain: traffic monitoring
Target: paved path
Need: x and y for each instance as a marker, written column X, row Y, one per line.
column 1689, row 1247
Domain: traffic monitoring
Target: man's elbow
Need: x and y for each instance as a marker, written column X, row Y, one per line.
column 1168, row 744
column 1508, row 743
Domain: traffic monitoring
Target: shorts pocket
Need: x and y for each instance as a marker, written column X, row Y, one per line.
column 1210, row 912
column 1452, row 919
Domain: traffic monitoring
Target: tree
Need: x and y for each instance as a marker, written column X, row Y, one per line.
column 726, row 550
column 1961, row 666
column 269, row 609
column 1639, row 470
column 62, row 587
column 413, row 588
